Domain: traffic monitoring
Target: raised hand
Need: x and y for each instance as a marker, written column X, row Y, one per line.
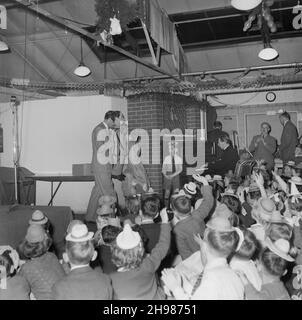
column 164, row 215
column 258, row 179
column 198, row 239
column 203, row 168
column 171, row 279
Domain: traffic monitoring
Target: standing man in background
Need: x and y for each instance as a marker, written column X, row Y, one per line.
column 264, row 146
column 213, row 137
column 228, row 160
column 102, row 170
column 172, row 167
column 289, row 138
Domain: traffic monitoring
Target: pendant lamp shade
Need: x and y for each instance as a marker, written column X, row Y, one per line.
column 3, row 46
column 245, row 5
column 268, row 53
column 82, row 70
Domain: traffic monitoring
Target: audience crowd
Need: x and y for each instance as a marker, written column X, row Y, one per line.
column 221, row 237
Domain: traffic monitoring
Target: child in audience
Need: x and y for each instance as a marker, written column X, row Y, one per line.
column 15, row 286
column 273, row 265
column 150, row 209
column 65, row 264
column 262, row 212
column 233, row 203
column 42, row 269
column 217, row 280
column 38, row 217
column 190, row 222
column 105, row 243
column 136, row 277
column 242, row 260
column 248, row 198
column 82, row 283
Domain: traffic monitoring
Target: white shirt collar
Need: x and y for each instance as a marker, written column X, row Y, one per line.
column 218, row 262
column 147, row 221
column 78, row 267
column 106, row 125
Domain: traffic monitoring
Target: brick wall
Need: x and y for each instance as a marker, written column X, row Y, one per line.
column 159, row 111
column 146, row 112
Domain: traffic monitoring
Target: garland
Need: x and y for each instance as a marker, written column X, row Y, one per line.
column 190, row 87
column 125, row 10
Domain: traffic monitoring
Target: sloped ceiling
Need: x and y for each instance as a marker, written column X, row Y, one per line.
column 43, row 51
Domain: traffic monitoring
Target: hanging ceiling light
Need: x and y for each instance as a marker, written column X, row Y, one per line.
column 245, row 5
column 3, row 46
column 268, row 53
column 82, row 70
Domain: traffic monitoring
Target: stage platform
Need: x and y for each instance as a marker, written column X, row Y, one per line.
column 14, row 223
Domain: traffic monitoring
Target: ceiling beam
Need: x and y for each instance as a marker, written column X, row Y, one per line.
column 297, row 66
column 68, row 24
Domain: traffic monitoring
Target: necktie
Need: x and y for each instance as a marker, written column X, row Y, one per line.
column 197, row 283
column 173, row 164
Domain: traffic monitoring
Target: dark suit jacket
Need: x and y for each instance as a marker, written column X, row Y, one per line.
column 212, row 138
column 227, row 162
column 185, row 229
column 96, row 145
column 289, row 141
column 83, row 284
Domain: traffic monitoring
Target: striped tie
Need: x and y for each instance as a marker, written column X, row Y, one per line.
column 197, row 283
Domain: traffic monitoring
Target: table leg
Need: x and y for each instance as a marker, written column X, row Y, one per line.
column 53, row 194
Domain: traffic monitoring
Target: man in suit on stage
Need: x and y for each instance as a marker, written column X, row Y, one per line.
column 103, row 160
column 212, row 139
column 228, row 160
column 289, row 138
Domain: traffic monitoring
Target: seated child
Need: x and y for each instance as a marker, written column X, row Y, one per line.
column 42, row 269
column 273, row 265
column 295, row 289
column 82, row 282
column 13, row 286
column 249, row 199
column 233, row 203
column 136, row 277
column 262, row 212
column 217, row 281
column 108, row 237
column 242, row 260
column 150, row 209
column 190, row 222
column 38, row 217
column 72, row 223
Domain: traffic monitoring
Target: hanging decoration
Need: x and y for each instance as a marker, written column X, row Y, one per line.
column 195, row 87
column 115, row 26
column 264, row 11
column 115, row 15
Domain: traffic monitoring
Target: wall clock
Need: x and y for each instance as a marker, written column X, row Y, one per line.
column 270, row 96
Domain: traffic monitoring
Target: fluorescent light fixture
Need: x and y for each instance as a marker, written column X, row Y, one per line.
column 82, row 70
column 245, row 5
column 268, row 53
column 3, row 46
